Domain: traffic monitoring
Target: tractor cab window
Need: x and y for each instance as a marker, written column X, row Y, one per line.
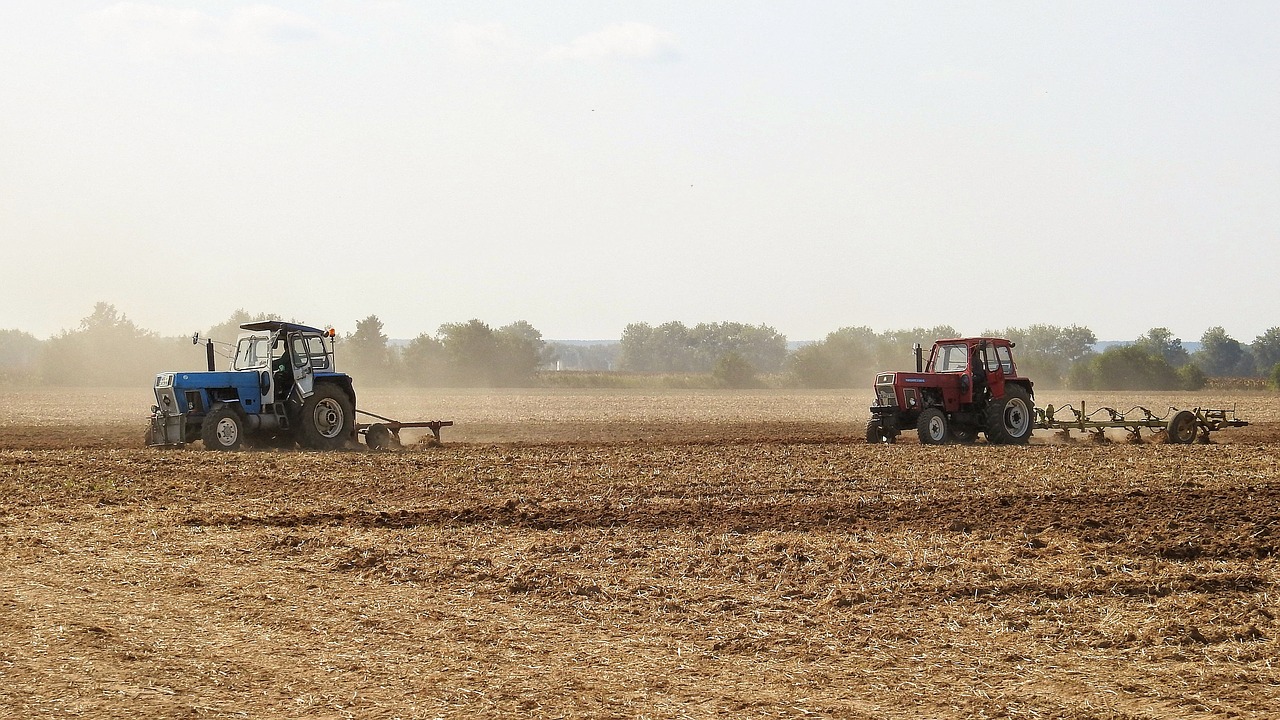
column 310, row 348
column 951, row 358
column 252, row 353
column 1004, row 358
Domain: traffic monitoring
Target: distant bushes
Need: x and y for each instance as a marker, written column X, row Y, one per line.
column 1133, row 367
column 850, row 356
column 733, row 353
column 107, row 348
column 470, row 354
column 620, row 380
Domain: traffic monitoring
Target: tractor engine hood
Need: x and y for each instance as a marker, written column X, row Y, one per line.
column 179, row 393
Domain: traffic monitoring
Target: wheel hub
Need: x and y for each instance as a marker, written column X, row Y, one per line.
column 1016, row 417
column 936, row 429
column 328, row 418
column 227, row 432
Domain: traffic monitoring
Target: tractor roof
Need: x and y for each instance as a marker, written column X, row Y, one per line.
column 989, row 339
column 274, row 325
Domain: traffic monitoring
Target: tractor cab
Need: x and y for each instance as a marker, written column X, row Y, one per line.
column 980, row 365
column 292, row 353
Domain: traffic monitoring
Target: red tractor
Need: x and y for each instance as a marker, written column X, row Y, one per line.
column 970, row 385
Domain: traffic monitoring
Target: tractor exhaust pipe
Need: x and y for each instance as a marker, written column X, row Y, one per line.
column 919, row 351
column 208, row 349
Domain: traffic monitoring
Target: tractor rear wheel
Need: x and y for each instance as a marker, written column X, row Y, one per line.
column 222, row 429
column 1011, row 419
column 932, row 427
column 1182, row 428
column 328, row 418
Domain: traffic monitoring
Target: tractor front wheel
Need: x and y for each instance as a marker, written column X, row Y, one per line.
column 1011, row 419
column 222, row 429
column 876, row 433
column 328, row 418
column 932, row 427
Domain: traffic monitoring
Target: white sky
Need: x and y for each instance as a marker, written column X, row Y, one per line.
column 583, row 165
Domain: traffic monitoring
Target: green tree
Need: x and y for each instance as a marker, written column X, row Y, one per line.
column 894, row 348
column 668, row 347
column 845, row 358
column 1160, row 341
column 476, row 355
column 1275, row 376
column 524, row 333
column 469, row 350
column 1221, row 355
column 1126, row 367
column 425, row 362
column 366, row 352
column 228, row 330
column 1046, row 353
column 637, row 351
column 761, row 346
column 1266, row 350
column 19, row 357
column 1191, row 377
column 673, row 347
column 107, row 349
column 734, row 371
column 521, row 351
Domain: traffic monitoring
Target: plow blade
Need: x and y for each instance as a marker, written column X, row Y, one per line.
column 385, row 435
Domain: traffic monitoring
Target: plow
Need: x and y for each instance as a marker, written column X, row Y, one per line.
column 385, row 435
column 1175, row 426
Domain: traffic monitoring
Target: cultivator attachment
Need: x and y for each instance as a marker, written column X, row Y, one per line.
column 385, row 435
column 1175, row 426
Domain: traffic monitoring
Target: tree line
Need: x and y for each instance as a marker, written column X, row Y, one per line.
column 107, row 348
column 1056, row 357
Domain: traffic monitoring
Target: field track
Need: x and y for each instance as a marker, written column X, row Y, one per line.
column 624, row 555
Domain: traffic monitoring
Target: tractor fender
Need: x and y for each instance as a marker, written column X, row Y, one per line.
column 1025, row 385
column 233, row 404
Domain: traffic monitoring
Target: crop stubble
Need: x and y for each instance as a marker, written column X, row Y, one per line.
column 719, row 569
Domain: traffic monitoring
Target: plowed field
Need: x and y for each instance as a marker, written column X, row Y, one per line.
column 626, row 555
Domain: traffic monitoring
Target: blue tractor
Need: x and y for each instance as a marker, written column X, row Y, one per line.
column 282, row 389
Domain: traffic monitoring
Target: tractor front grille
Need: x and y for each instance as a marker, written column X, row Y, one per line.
column 885, row 396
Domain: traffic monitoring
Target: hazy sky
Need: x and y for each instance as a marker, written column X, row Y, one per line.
column 583, row 165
